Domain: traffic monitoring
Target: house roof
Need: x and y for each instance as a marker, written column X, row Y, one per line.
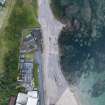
column 27, row 99
column 33, row 94
column 22, row 98
column 32, row 101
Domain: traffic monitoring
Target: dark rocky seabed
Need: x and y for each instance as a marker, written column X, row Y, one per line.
column 82, row 47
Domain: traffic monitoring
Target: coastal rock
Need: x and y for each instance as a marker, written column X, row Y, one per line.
column 98, row 88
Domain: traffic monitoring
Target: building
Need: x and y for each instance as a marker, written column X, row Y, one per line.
column 21, row 99
column 31, row 98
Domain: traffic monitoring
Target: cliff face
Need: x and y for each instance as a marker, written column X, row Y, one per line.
column 82, row 40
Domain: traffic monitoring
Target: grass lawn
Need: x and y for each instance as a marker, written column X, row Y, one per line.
column 3, row 22
column 33, row 8
column 22, row 16
column 3, row 50
column 30, row 55
column 6, row 11
column 36, row 81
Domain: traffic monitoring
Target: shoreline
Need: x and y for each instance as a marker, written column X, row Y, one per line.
column 55, row 85
column 76, row 95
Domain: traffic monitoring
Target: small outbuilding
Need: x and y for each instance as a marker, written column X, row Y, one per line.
column 22, row 99
column 31, row 98
column 32, row 101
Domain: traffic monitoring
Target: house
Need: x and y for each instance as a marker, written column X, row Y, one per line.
column 22, row 99
column 31, row 98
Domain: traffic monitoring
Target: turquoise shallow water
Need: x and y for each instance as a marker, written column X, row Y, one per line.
column 82, row 46
column 84, row 88
column 86, row 68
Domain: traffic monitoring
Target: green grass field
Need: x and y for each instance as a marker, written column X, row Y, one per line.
column 3, row 49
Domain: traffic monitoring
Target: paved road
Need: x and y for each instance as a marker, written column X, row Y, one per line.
column 54, row 81
column 55, row 85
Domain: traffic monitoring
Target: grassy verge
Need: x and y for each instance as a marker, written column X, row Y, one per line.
column 30, row 55
column 6, row 11
column 36, row 81
column 21, row 16
column 3, row 22
column 35, row 7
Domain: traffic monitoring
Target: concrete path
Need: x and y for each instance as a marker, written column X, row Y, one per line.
column 55, row 85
